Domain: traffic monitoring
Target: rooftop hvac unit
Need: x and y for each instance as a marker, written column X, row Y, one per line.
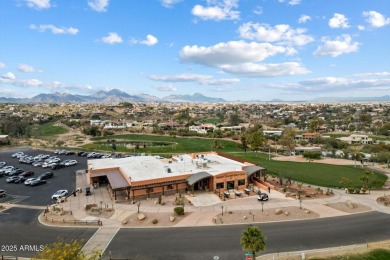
column 169, row 170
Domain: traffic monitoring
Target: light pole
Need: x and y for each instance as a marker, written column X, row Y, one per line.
column 300, row 203
column 222, row 210
column 138, row 204
column 262, row 205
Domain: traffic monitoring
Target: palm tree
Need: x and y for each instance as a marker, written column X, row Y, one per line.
column 253, row 239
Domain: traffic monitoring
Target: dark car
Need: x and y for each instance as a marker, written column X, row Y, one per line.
column 57, row 166
column 69, row 153
column 262, row 197
column 79, row 153
column 16, row 172
column 46, row 175
column 37, row 182
column 20, row 179
column 27, row 173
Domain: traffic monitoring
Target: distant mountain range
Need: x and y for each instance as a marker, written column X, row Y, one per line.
column 116, row 96
column 112, row 96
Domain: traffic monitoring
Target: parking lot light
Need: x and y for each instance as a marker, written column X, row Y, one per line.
column 222, row 210
column 262, row 205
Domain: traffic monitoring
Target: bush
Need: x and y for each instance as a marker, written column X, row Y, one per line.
column 351, row 190
column 179, row 210
column 154, row 221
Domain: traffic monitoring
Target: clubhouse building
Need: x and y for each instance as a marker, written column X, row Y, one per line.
column 141, row 177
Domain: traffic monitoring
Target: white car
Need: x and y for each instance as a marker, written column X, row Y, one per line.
column 71, row 162
column 59, row 194
column 2, row 164
column 48, row 164
column 28, row 181
column 17, row 155
column 6, row 168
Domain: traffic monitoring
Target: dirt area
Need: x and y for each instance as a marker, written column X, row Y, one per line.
column 281, row 214
column 64, row 217
column 384, row 200
column 292, row 189
column 161, row 217
column 334, row 161
column 353, row 208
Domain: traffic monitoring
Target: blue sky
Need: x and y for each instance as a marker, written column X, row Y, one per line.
column 234, row 49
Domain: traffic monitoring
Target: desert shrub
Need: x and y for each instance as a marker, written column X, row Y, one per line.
column 154, row 221
column 179, row 210
column 350, row 190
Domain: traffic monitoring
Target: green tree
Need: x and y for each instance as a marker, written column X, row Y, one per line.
column 244, row 142
column 256, row 140
column 216, row 145
column 365, row 178
column 253, row 239
column 61, row 250
column 234, row 119
column 288, row 139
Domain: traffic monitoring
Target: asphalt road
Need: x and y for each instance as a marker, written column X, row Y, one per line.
column 22, row 235
column 224, row 241
column 64, row 178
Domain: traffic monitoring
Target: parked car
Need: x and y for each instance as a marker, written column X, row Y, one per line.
column 20, row 179
column 2, row 164
column 15, row 172
column 17, row 155
column 37, row 182
column 71, row 162
column 11, row 179
column 80, row 153
column 27, row 173
column 37, row 164
column 7, row 169
column 28, row 181
column 57, row 166
column 91, row 155
column 262, row 197
column 69, row 153
column 46, row 175
column 49, row 164
column 2, row 193
column 59, row 194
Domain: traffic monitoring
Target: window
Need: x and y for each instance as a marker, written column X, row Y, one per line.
column 170, row 187
column 241, row 182
column 220, row 185
column 149, row 190
column 230, row 185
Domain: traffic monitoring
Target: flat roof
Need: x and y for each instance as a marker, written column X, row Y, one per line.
column 140, row 168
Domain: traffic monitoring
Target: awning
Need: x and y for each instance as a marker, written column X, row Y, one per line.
column 197, row 177
column 115, row 178
column 252, row 169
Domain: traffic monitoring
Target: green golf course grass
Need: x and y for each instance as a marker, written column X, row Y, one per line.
column 46, row 130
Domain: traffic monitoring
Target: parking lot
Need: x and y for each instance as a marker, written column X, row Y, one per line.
column 64, row 178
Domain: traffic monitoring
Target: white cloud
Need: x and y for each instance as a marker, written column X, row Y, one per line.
column 376, row 19
column 374, row 74
column 258, row 10
column 198, row 78
column 233, row 52
column 26, row 68
column 281, row 33
column 9, row 76
column 241, row 58
column 38, row 4
column 361, row 27
column 304, row 18
column 338, row 21
column 99, row 5
column 266, row 70
column 180, row 77
column 112, row 38
column 166, row 88
column 217, row 10
column 294, row 2
column 2, row 65
column 341, row 45
column 169, row 3
column 149, row 41
column 54, row 29
column 54, row 86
